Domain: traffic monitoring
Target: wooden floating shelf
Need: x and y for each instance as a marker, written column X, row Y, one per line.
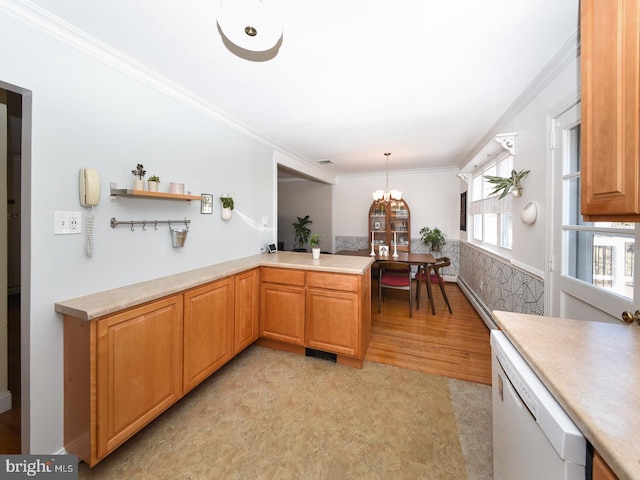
column 123, row 192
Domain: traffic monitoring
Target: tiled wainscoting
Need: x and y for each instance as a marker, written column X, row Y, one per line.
column 495, row 283
column 498, row 284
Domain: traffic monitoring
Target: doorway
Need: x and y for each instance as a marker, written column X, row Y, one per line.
column 11, row 163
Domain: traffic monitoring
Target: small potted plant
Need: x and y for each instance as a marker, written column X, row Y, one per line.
column 314, row 241
column 139, row 171
column 302, row 232
column 432, row 238
column 227, row 206
column 153, row 182
column 507, row 184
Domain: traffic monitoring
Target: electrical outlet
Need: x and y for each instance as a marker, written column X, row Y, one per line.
column 65, row 223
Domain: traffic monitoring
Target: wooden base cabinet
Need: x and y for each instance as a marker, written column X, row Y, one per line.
column 247, row 309
column 208, row 330
column 125, row 370
column 282, row 297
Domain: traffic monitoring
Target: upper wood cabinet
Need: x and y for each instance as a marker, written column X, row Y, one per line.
column 610, row 171
column 389, row 218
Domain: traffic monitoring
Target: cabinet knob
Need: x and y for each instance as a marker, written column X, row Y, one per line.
column 628, row 317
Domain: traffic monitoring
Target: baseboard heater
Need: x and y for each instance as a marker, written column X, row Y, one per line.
column 479, row 306
column 312, row 352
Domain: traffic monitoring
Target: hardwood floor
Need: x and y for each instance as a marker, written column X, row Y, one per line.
column 10, row 420
column 452, row 345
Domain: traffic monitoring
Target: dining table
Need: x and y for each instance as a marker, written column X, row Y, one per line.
column 422, row 260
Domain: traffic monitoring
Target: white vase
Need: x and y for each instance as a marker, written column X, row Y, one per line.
column 316, row 253
column 225, row 213
column 138, row 184
column 153, row 186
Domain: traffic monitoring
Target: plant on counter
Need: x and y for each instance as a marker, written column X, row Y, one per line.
column 507, row 184
column 139, row 171
column 302, row 232
column 314, row 240
column 433, row 238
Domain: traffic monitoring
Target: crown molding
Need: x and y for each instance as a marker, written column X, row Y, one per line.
column 569, row 51
column 55, row 27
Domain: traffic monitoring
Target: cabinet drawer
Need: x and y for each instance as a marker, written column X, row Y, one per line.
column 334, row 281
column 287, row 276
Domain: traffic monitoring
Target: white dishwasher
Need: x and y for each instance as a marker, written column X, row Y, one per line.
column 533, row 438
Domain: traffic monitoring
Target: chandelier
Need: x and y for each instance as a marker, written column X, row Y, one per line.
column 387, row 194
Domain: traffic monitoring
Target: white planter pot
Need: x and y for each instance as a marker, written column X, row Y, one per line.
column 225, row 213
column 138, row 184
column 316, row 253
column 153, row 186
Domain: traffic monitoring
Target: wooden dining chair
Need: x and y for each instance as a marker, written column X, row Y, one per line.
column 434, row 277
column 397, row 276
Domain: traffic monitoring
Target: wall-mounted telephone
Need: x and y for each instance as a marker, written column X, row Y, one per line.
column 89, row 197
column 89, row 187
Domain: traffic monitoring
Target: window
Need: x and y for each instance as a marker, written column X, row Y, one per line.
column 600, row 254
column 492, row 218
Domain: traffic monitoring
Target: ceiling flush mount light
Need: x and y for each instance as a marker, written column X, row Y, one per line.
column 251, row 29
column 387, row 194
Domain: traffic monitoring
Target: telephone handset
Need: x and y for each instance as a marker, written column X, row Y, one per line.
column 89, row 197
column 89, row 187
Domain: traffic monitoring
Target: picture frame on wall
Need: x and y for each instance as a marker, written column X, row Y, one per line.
column 206, row 204
column 463, row 211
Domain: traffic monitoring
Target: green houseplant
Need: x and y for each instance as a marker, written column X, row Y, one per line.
column 227, row 206
column 153, row 182
column 227, row 202
column 314, row 241
column 302, row 231
column 507, row 184
column 432, row 238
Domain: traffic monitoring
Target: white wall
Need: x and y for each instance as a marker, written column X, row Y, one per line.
column 532, row 153
column 433, row 197
column 87, row 114
column 299, row 197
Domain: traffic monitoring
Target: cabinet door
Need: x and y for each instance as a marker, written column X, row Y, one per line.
column 247, row 328
column 602, row 471
column 610, row 109
column 208, row 330
column 139, row 367
column 332, row 323
column 282, row 313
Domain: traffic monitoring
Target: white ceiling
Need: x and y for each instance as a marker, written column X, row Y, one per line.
column 422, row 79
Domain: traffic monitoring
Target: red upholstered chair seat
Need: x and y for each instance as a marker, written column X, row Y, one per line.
column 395, row 275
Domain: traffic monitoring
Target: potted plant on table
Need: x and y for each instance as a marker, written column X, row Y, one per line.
column 314, row 241
column 227, row 206
column 153, row 182
column 302, row 232
column 432, row 238
column 139, row 171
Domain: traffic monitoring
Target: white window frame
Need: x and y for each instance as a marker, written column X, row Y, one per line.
column 483, row 204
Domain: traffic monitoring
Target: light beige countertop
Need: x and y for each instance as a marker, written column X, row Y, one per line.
column 96, row 305
column 593, row 371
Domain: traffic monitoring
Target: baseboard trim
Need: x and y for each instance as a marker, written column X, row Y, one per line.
column 480, row 307
column 5, row 401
